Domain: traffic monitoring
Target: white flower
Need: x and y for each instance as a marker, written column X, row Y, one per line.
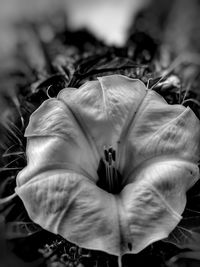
column 147, row 149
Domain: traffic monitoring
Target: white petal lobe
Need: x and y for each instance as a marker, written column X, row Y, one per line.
column 155, row 199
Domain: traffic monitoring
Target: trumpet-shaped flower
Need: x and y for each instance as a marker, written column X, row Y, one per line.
column 109, row 165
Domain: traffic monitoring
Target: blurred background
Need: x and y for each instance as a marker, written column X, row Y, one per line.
column 108, row 19
column 144, row 27
column 55, row 43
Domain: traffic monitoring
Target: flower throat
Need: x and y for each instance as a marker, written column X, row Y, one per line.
column 109, row 177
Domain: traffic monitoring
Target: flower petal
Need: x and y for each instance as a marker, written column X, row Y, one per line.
column 70, row 205
column 89, row 118
column 104, row 106
column 159, row 129
column 152, row 205
column 67, row 203
column 157, row 146
column 55, row 125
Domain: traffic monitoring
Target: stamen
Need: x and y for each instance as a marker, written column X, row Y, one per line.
column 109, row 177
column 109, row 158
column 111, row 171
column 119, row 260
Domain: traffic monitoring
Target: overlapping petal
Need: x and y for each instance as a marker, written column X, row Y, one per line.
column 157, row 149
column 69, row 145
column 152, row 205
column 104, row 106
column 69, row 204
column 159, row 129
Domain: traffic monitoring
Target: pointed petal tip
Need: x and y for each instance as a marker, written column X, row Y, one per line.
column 121, row 79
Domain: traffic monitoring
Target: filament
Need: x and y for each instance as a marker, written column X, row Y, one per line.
column 111, row 171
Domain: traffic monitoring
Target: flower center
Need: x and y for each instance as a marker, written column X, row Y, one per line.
column 109, row 176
